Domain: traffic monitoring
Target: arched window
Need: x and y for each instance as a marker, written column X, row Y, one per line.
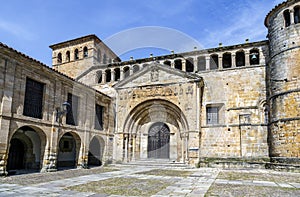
column 117, row 74
column 178, row 64
column 126, row 71
column 240, row 58
column 287, row 18
column 59, row 59
column 227, row 60
column 76, row 54
column 108, row 75
column 201, row 63
column 99, row 76
column 254, row 56
column 266, row 114
column 99, row 55
column 104, row 59
column 136, row 68
column 297, row 14
column 214, row 62
column 67, row 56
column 189, row 65
column 85, row 52
column 167, row 62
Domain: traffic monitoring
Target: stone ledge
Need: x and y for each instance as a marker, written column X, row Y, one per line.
column 273, row 163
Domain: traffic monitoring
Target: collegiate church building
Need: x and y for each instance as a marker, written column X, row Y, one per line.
column 227, row 106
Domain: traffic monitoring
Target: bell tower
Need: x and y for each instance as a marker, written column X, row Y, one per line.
column 76, row 56
column 283, row 79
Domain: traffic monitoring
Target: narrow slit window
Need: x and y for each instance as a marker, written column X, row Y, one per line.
column 76, row 54
column 297, row 14
column 85, row 52
column 287, row 18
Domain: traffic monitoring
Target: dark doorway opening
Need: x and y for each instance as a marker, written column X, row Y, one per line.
column 159, row 141
column 16, row 155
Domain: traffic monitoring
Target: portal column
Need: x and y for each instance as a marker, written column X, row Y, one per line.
column 126, row 148
column 121, row 74
column 292, row 17
column 172, row 64
column 233, row 61
column 113, row 75
column 103, row 77
column 247, row 58
column 195, row 64
column 207, row 62
column 220, row 62
column 133, row 146
column 184, row 65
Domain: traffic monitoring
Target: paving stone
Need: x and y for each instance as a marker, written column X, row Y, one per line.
column 190, row 186
column 296, row 185
column 285, row 185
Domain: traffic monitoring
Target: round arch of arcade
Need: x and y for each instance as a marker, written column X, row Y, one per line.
column 71, row 151
column 26, row 149
column 155, row 128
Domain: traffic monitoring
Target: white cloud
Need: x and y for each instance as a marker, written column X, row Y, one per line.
column 169, row 8
column 247, row 25
column 16, row 30
column 153, row 37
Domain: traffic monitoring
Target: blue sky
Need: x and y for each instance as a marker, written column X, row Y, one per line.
column 31, row 26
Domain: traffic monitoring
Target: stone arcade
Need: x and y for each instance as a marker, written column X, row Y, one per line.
column 227, row 106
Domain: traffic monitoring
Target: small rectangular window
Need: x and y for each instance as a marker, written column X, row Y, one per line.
column 72, row 114
column 212, row 115
column 245, row 119
column 99, row 117
column 33, row 102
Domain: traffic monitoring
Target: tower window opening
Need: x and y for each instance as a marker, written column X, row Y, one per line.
column 59, row 59
column 167, row 62
column 201, row 63
column 214, row 62
column 297, row 14
column 254, row 57
column 287, row 18
column 117, row 74
column 104, row 59
column 67, row 56
column 178, row 64
column 99, row 55
column 108, row 75
column 76, row 54
column 189, row 65
column 136, row 68
column 240, row 58
column 99, row 76
column 227, row 60
column 85, row 52
column 126, row 71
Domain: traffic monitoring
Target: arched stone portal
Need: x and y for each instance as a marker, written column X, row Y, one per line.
column 26, row 150
column 153, row 129
column 159, row 141
column 69, row 147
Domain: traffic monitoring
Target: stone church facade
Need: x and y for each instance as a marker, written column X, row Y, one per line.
column 227, row 106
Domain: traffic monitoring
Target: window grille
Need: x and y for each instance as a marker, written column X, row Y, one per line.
column 99, row 117
column 33, row 102
column 72, row 114
column 212, row 115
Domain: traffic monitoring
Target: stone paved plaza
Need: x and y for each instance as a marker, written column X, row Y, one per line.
column 179, row 180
